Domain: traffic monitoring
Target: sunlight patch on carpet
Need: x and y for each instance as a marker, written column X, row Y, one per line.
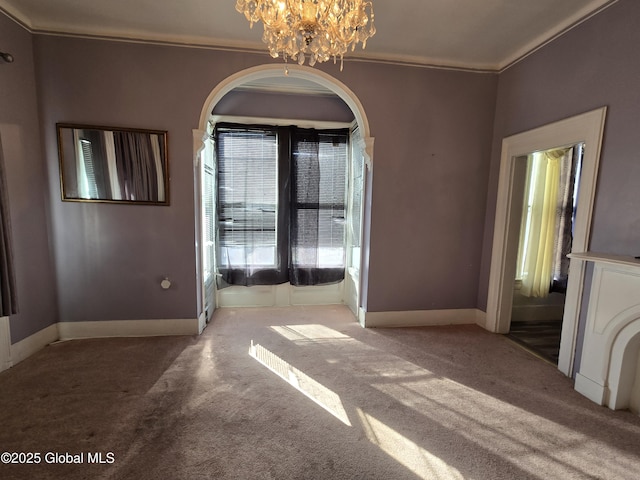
column 539, row 446
column 312, row 332
column 317, row 392
column 404, row 451
column 490, row 421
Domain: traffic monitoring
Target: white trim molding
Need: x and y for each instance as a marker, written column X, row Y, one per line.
column 283, row 122
column 422, row 318
column 281, row 295
column 202, row 322
column 199, row 136
column 33, row 343
column 23, row 349
column 611, row 349
column 128, row 328
column 298, row 71
column 588, row 128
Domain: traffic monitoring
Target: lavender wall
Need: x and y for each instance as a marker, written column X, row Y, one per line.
column 27, row 185
column 432, row 132
column 593, row 65
column 111, row 258
column 278, row 105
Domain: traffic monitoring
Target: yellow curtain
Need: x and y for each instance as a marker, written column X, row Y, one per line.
column 539, row 243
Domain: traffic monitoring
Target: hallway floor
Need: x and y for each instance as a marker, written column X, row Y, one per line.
column 542, row 338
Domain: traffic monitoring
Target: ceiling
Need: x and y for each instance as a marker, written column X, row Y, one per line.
column 469, row 34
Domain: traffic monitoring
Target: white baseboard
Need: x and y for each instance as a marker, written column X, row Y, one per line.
column 481, row 318
column 362, row 313
column 11, row 355
column 128, row 328
column 590, row 389
column 202, row 322
column 423, row 318
column 30, row 345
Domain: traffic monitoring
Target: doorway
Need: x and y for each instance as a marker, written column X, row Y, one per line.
column 586, row 128
column 549, row 204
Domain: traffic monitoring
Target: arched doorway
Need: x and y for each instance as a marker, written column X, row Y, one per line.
column 356, row 300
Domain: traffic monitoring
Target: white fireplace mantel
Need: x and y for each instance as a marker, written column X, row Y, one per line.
column 609, row 369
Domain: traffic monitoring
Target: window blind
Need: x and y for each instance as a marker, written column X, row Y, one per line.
column 247, row 198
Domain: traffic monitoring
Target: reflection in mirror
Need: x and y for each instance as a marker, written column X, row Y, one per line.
column 105, row 164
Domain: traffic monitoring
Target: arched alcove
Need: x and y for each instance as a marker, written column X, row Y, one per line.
column 294, row 71
column 624, row 387
column 365, row 144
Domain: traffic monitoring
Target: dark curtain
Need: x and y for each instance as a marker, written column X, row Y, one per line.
column 136, row 166
column 8, row 297
column 277, row 205
column 314, row 224
column 570, row 170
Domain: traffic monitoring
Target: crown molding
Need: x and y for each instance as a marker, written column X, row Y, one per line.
column 130, row 36
column 16, row 15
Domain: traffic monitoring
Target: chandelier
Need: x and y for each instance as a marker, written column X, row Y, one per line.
column 313, row 30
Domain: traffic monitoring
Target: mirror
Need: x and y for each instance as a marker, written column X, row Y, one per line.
column 115, row 165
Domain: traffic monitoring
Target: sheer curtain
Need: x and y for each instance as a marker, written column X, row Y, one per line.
column 8, row 297
column 545, row 199
column 318, row 207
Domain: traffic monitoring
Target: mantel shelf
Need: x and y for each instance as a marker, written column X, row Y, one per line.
column 606, row 258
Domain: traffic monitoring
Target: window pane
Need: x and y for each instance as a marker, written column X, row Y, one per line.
column 333, row 186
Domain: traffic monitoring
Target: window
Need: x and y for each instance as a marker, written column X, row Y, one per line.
column 281, row 204
column 547, row 221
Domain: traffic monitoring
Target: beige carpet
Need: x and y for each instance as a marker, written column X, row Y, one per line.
column 305, row 393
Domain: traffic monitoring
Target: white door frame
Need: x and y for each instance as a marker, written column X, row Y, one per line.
column 588, row 128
